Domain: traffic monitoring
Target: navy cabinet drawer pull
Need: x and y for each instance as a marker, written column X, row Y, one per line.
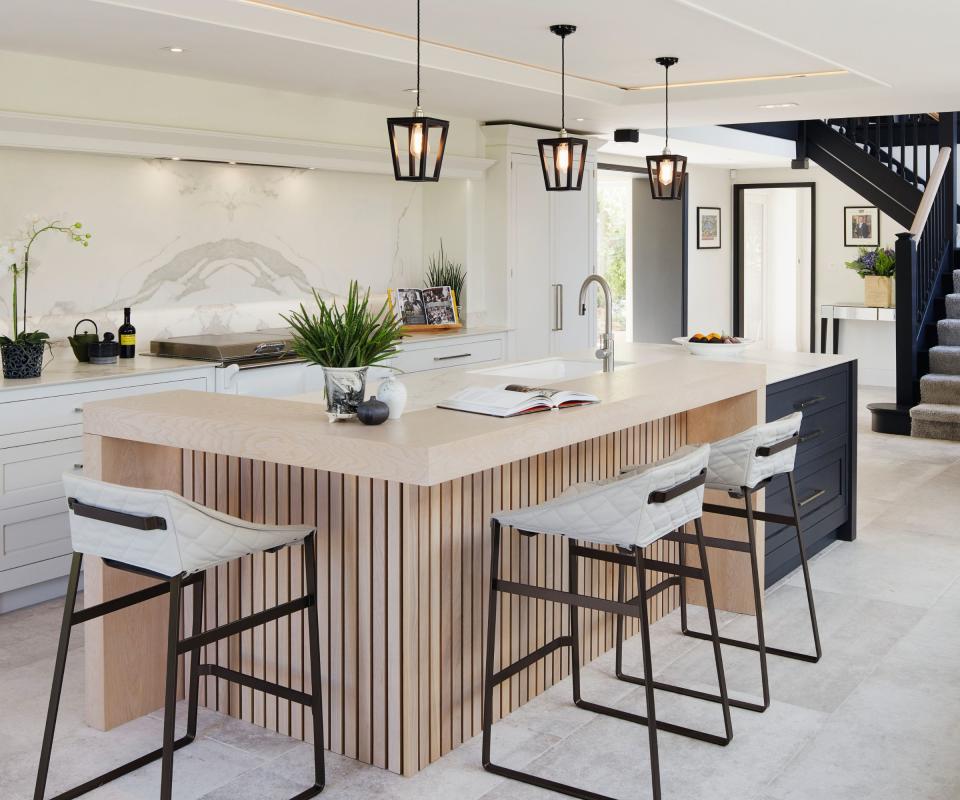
column 809, row 437
column 810, row 401
column 813, row 496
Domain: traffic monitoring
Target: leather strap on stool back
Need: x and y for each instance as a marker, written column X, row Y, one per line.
column 195, row 537
column 735, row 462
column 622, row 510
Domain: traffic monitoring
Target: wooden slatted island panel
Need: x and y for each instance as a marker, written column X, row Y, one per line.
column 403, row 547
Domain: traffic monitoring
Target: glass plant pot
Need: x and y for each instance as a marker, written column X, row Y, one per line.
column 345, row 388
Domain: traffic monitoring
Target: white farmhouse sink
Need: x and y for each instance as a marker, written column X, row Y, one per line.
column 549, row 369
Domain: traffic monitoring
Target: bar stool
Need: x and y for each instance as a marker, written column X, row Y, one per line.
column 630, row 511
column 161, row 535
column 741, row 465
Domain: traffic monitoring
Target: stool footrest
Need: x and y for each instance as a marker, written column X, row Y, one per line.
column 257, row 684
column 127, row 600
column 669, row 727
column 810, row 658
column 570, row 598
column 709, row 541
column 762, row 516
column 694, row 693
column 545, row 783
column 245, row 624
column 118, row 772
column 629, row 560
column 531, row 658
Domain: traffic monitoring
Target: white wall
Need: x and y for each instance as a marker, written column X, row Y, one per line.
column 709, row 272
column 208, row 247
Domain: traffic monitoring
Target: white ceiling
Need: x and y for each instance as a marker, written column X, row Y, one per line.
column 496, row 59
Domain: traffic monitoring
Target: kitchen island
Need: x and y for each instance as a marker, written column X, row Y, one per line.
column 402, row 512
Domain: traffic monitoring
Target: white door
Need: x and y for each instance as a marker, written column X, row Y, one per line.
column 573, row 256
column 532, row 302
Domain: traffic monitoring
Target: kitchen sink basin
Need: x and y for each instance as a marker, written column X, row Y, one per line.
column 550, row 369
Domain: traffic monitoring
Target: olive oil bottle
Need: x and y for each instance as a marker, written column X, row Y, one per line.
column 128, row 337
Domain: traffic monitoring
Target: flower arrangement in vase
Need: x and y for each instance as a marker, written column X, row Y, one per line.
column 345, row 341
column 877, row 266
column 22, row 353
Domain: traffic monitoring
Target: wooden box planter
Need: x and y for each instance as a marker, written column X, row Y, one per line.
column 878, row 291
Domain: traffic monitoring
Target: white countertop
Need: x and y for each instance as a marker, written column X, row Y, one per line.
column 64, row 368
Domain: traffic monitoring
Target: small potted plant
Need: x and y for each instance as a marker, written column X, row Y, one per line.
column 877, row 266
column 345, row 341
column 442, row 271
column 22, row 353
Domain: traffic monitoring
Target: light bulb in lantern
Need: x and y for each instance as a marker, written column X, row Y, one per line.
column 665, row 173
column 416, row 139
column 563, row 157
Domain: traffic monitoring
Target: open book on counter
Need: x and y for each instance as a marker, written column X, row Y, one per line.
column 513, row 400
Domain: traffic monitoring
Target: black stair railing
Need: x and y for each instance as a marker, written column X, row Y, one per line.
column 924, row 256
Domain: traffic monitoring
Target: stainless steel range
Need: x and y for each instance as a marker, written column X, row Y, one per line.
column 260, row 363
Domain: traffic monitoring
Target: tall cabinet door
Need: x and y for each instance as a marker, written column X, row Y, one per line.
column 532, row 309
column 573, row 257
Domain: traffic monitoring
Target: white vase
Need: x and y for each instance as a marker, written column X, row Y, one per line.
column 394, row 394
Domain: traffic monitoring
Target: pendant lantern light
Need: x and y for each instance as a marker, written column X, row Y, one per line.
column 417, row 142
column 563, row 158
column 667, row 171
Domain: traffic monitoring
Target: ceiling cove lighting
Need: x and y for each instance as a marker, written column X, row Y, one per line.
column 417, row 142
column 778, row 105
column 563, row 158
column 174, row 49
column 667, row 171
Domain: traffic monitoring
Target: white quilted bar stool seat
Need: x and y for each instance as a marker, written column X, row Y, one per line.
column 174, row 541
column 628, row 512
column 735, row 462
column 616, row 511
column 195, row 537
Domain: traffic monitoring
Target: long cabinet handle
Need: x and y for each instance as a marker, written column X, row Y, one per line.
column 810, row 401
column 447, row 358
column 557, row 306
column 809, row 437
column 813, row 496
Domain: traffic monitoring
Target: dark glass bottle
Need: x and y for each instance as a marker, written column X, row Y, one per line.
column 128, row 337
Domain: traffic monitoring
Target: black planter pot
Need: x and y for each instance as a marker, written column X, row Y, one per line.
column 22, row 359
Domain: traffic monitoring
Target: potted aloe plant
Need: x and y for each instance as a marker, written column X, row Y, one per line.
column 22, row 353
column 345, row 341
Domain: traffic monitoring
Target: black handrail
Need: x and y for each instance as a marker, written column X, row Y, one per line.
column 913, row 136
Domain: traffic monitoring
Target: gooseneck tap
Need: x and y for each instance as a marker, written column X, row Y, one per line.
column 606, row 338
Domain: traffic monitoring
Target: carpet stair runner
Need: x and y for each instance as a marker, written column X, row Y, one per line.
column 938, row 415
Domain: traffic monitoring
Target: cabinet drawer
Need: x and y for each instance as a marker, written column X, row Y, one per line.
column 454, row 354
column 33, row 532
column 810, row 397
column 822, row 429
column 31, row 473
column 67, row 409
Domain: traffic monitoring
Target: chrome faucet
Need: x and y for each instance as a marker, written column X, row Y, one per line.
column 605, row 350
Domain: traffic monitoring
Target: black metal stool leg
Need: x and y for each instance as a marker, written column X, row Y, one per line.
column 316, row 690
column 193, row 695
column 648, row 673
column 573, row 583
column 54, row 706
column 757, row 601
column 487, row 722
column 806, row 579
column 170, row 692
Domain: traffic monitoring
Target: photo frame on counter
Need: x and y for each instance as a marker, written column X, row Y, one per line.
column 861, row 226
column 708, row 228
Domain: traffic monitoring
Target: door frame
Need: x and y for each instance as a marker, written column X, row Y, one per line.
column 684, row 228
column 738, row 291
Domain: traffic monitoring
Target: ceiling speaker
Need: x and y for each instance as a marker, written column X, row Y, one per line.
column 626, row 135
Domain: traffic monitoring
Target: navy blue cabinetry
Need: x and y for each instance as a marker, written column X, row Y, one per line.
column 826, row 467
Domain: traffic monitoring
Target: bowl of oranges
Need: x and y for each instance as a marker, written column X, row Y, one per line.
column 714, row 345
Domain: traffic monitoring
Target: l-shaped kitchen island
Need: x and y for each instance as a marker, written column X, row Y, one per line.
column 402, row 514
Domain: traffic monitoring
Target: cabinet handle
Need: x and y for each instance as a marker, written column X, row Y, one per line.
column 78, row 410
column 556, row 307
column 447, row 358
column 78, row 466
column 811, row 436
column 559, row 306
column 813, row 496
column 810, row 401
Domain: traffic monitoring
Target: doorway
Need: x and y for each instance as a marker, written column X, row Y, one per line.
column 775, row 265
column 641, row 252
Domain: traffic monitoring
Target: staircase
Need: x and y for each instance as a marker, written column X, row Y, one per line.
column 938, row 415
column 906, row 166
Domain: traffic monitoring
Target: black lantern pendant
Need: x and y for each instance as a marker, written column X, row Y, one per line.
column 563, row 158
column 667, row 171
column 417, row 142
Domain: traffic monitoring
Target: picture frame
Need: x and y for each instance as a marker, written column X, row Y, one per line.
column 861, row 226
column 708, row 228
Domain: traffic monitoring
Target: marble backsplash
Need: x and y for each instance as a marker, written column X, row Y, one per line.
column 197, row 247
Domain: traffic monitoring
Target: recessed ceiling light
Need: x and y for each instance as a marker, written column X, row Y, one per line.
column 779, row 105
column 580, row 119
column 174, row 49
column 174, row 158
column 232, row 163
column 411, row 91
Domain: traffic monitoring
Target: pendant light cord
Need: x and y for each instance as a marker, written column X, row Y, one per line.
column 418, row 53
column 666, row 133
column 563, row 82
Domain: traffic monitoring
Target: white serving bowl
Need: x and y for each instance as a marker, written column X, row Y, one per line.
column 707, row 350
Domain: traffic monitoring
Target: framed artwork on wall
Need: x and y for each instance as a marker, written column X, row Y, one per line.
column 861, row 226
column 708, row 228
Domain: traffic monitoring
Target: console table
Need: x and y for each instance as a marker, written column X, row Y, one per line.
column 857, row 311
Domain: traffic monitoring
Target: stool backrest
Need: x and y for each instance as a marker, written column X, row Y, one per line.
column 756, row 454
column 173, row 536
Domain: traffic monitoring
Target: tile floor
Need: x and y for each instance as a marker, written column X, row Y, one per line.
column 878, row 718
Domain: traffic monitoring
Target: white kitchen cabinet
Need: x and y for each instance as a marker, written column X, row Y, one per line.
column 547, row 241
column 41, row 429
